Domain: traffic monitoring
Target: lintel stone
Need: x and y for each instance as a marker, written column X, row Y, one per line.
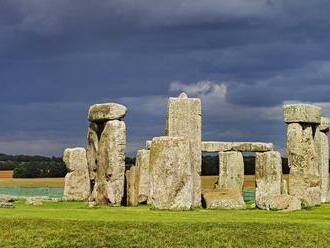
column 302, row 113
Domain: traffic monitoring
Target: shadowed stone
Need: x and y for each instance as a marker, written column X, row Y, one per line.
column 323, row 154
column 91, row 152
column 170, row 174
column 142, row 163
column 324, row 126
column 215, row 146
column 106, row 111
column 109, row 184
column 184, row 120
column 77, row 185
column 148, row 144
column 304, row 178
column 302, row 113
column 132, row 180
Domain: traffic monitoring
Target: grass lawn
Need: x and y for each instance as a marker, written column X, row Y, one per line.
column 72, row 224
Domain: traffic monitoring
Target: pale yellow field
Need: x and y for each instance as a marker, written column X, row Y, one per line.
column 33, row 182
column 207, row 182
column 249, row 181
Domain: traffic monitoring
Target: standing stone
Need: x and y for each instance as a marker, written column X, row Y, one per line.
column 323, row 150
column 270, row 184
column 184, row 120
column 231, row 171
column 77, row 186
column 132, row 184
column 91, row 152
column 171, row 179
column 268, row 174
column 229, row 192
column 303, row 152
column 142, row 163
column 109, row 185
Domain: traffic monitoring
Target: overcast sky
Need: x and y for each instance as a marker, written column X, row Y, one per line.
column 244, row 59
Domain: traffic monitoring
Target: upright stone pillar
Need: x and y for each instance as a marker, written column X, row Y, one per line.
column 184, row 120
column 269, row 191
column 142, row 163
column 323, row 149
column 77, row 185
column 304, row 180
column 229, row 192
column 91, row 152
column 106, row 152
column 171, row 179
column 132, row 185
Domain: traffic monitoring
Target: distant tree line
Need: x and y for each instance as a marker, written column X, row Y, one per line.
column 38, row 166
column 210, row 165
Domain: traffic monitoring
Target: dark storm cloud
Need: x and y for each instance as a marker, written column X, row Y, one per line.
column 57, row 57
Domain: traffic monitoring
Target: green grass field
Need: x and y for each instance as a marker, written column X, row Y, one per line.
column 72, row 224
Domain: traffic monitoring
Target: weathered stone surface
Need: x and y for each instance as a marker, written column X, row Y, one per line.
column 229, row 189
column 284, row 187
column 268, row 174
column 302, row 113
column 231, row 171
column 184, row 120
column 270, row 184
column 77, row 184
column 215, row 146
column 132, row 185
column 304, row 178
column 35, row 201
column 6, row 205
column 6, row 198
column 279, row 202
column 324, row 126
column 223, row 199
column 148, row 144
column 323, row 152
column 171, row 181
column 142, row 163
column 91, row 152
column 106, row 111
column 109, row 184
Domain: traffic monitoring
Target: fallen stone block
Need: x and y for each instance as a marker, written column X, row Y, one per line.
column 223, row 199
column 279, row 202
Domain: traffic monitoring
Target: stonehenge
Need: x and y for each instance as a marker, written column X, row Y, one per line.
column 142, row 163
column 302, row 138
column 106, row 149
column 229, row 193
column 184, row 119
column 271, row 192
column 132, row 186
column 214, row 146
column 323, row 150
column 167, row 170
column 77, row 184
column 171, row 177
